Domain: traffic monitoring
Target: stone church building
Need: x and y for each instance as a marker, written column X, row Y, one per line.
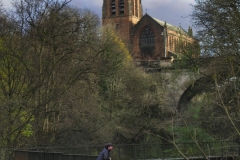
column 148, row 38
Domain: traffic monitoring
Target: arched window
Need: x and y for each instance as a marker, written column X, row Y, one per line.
column 147, row 37
column 147, row 43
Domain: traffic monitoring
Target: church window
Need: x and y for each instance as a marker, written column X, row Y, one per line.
column 147, row 37
column 147, row 43
column 170, row 42
column 178, row 45
column 113, row 7
column 121, row 3
column 175, row 45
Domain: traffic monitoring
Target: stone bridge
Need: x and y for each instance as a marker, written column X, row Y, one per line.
column 182, row 79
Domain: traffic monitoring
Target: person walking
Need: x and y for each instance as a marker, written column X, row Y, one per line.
column 105, row 154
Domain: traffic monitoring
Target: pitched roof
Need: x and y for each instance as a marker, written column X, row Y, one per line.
column 169, row 26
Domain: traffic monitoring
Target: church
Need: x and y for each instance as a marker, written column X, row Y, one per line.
column 148, row 38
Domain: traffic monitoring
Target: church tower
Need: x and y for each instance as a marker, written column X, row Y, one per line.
column 124, row 14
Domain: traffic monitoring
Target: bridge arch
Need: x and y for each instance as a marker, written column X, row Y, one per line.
column 202, row 84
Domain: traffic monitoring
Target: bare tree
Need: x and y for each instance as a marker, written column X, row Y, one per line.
column 218, row 22
column 47, row 49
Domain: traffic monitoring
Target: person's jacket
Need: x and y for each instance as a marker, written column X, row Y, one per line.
column 104, row 155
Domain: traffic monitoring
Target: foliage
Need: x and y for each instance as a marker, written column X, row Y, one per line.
column 218, row 21
column 67, row 81
column 45, row 51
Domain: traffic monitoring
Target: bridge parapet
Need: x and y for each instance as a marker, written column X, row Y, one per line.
column 170, row 63
column 155, row 64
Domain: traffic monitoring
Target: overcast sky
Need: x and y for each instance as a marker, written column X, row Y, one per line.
column 175, row 12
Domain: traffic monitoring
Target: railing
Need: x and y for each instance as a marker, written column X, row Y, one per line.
column 201, row 150
column 38, row 155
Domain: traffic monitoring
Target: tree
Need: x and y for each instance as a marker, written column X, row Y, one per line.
column 58, row 58
column 84, row 109
column 218, row 22
column 45, row 51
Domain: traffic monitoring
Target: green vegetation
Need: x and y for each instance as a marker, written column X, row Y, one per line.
column 65, row 81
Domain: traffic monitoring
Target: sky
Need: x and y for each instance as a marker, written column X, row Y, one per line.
column 175, row 12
